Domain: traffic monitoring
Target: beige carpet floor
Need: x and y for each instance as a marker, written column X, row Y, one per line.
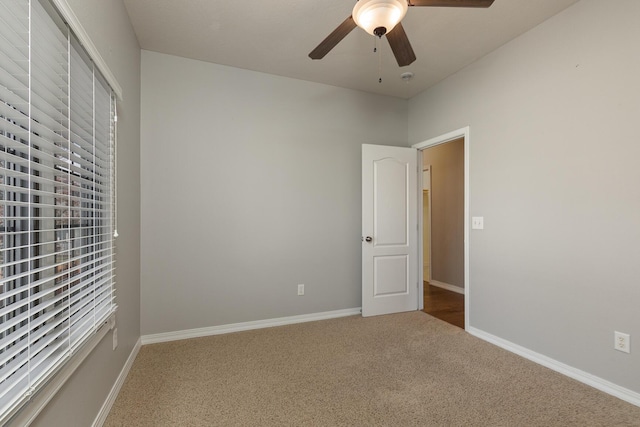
column 405, row 369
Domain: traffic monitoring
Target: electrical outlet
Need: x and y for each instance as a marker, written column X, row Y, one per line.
column 622, row 342
column 477, row 222
column 301, row 289
column 115, row 338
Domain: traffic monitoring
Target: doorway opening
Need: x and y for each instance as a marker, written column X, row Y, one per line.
column 443, row 224
column 444, row 291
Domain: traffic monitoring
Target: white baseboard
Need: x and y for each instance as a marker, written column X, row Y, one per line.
column 108, row 403
column 245, row 326
column 447, row 286
column 577, row 374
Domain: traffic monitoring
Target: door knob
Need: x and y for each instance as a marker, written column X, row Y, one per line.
column 368, row 239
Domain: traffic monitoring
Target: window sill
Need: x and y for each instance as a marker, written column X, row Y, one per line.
column 30, row 410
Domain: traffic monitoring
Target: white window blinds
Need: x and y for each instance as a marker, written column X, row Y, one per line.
column 56, row 198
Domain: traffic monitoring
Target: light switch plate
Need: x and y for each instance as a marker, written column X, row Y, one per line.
column 477, row 223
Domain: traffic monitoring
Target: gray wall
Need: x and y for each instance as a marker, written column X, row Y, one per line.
column 447, row 211
column 79, row 401
column 554, row 171
column 251, row 185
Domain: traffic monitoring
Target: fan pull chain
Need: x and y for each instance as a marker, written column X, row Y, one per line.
column 379, row 63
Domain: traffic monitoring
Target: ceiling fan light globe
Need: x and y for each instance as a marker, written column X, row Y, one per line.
column 372, row 14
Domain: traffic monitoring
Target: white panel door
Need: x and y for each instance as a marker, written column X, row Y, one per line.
column 389, row 229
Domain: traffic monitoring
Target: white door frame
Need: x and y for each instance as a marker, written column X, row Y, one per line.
column 447, row 137
column 423, row 224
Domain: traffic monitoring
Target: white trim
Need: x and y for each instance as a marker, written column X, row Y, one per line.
column 429, row 204
column 465, row 133
column 420, row 203
column 420, row 240
column 246, row 326
column 74, row 23
column 29, row 411
column 111, row 398
column 447, row 286
column 571, row 372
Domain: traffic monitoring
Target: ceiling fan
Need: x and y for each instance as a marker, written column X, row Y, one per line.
column 382, row 17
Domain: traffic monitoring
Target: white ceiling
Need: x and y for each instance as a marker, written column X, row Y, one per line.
column 276, row 36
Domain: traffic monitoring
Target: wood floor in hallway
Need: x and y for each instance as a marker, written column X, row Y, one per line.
column 444, row 304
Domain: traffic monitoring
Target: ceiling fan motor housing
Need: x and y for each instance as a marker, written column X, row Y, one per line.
column 378, row 17
column 380, row 31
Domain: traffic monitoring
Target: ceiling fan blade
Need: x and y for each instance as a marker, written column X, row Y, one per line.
column 400, row 46
column 333, row 39
column 451, row 3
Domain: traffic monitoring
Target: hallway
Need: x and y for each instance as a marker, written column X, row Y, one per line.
column 444, row 304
